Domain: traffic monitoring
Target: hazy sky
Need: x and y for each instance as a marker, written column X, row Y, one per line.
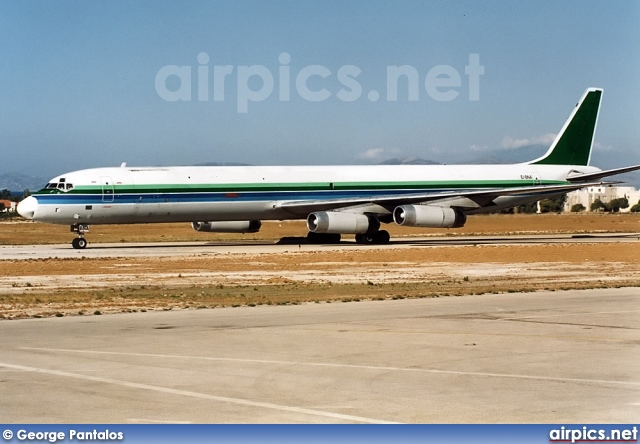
column 88, row 84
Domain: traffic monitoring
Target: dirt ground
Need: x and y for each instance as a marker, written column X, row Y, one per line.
column 61, row 287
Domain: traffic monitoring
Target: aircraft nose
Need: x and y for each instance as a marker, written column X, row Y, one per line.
column 27, row 207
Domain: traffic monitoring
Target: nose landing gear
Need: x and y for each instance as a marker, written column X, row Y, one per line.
column 79, row 242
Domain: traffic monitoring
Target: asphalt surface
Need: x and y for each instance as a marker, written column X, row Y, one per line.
column 547, row 357
column 175, row 249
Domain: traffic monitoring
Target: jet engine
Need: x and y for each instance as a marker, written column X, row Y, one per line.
column 339, row 222
column 235, row 226
column 428, row 216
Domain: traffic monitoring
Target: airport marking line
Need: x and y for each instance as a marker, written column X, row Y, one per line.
column 206, row 396
column 353, row 366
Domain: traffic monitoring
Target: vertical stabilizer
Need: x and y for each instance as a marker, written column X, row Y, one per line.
column 573, row 144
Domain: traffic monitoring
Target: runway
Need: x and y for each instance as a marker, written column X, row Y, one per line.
column 177, row 249
column 561, row 357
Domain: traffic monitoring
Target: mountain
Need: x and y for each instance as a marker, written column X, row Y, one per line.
column 407, row 161
column 531, row 152
column 19, row 182
column 629, row 179
column 221, row 164
column 503, row 156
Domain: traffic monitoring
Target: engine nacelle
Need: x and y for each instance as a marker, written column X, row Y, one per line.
column 235, row 226
column 428, row 216
column 339, row 222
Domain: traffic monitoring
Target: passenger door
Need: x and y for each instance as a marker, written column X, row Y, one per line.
column 107, row 189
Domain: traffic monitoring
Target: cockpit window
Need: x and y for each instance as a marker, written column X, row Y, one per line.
column 62, row 186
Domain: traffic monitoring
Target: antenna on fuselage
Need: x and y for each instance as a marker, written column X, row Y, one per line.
column 123, row 165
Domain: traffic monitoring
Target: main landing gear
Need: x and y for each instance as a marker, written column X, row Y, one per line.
column 79, row 242
column 375, row 237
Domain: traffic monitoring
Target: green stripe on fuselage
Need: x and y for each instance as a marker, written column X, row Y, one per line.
column 300, row 187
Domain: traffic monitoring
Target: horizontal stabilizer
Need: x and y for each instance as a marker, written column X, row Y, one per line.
column 576, row 178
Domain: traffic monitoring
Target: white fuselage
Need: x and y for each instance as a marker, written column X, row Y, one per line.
column 187, row 194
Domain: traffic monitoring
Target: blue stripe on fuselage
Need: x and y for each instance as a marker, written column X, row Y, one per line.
column 146, row 198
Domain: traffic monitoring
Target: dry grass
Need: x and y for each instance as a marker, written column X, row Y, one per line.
column 133, row 299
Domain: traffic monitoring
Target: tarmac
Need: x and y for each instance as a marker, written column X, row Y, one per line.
column 178, row 249
column 544, row 357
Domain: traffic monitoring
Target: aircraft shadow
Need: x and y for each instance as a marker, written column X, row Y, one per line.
column 440, row 241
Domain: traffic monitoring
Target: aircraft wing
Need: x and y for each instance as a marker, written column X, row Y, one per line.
column 600, row 174
column 388, row 202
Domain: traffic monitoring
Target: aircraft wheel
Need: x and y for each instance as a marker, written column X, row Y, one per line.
column 79, row 243
column 376, row 237
column 366, row 238
column 383, row 237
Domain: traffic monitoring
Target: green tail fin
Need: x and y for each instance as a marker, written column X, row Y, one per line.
column 573, row 145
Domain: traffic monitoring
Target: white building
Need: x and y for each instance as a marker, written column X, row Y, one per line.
column 7, row 205
column 605, row 193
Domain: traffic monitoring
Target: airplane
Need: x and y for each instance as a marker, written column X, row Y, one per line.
column 334, row 200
